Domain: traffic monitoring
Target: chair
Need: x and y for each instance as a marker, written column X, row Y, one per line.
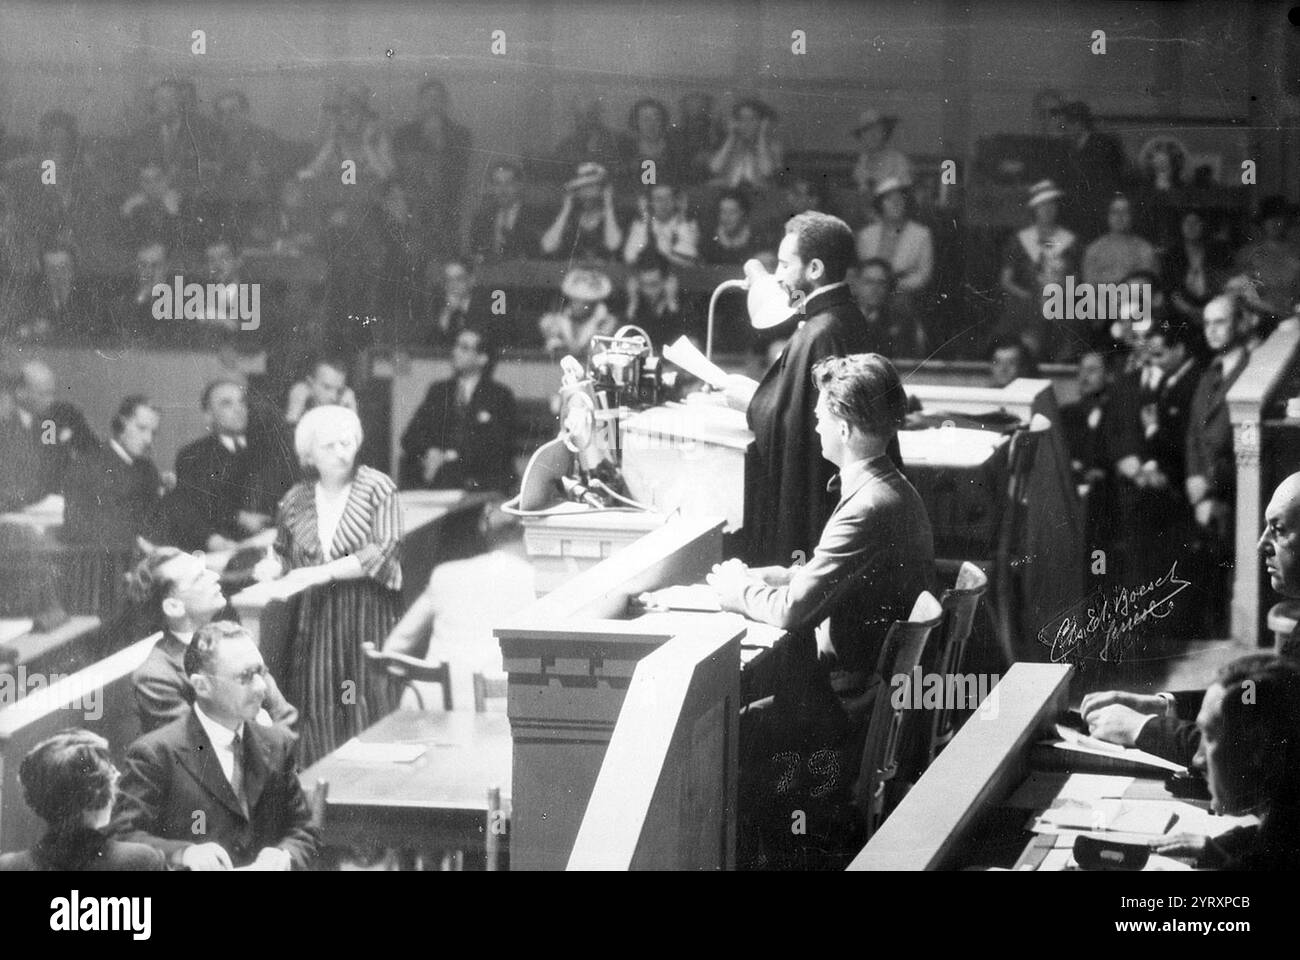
column 489, row 688
column 959, row 605
column 408, row 671
column 1001, row 567
column 900, row 655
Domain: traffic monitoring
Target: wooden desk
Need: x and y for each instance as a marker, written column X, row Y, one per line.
column 439, row 800
column 58, row 651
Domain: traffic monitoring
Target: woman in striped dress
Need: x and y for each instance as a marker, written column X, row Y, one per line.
column 339, row 531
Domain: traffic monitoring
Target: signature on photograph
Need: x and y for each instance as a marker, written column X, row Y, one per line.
column 1106, row 623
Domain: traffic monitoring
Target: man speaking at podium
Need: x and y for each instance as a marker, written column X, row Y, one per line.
column 786, row 501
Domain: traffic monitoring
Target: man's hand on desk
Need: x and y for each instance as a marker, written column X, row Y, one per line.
column 205, row 856
column 1116, row 723
column 1180, row 845
column 771, row 576
column 1141, row 702
column 728, row 581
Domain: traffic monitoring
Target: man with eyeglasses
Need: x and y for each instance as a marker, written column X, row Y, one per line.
column 213, row 790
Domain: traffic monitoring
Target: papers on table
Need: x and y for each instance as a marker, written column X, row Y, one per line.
column 1072, row 741
column 687, row 356
column 359, row 751
column 1149, row 818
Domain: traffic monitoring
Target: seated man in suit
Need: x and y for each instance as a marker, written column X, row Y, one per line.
column 178, row 589
column 54, row 432
column 874, row 558
column 214, row 760
column 1164, row 723
column 214, row 505
column 462, row 436
column 1249, row 726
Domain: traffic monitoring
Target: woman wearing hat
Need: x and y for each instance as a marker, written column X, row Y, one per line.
column 583, row 315
column 877, row 161
column 896, row 237
column 750, row 156
column 1042, row 253
column 592, row 231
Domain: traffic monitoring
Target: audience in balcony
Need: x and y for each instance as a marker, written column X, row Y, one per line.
column 751, row 155
column 895, row 237
column 1270, row 263
column 652, row 299
column 503, row 228
column 664, row 227
column 877, row 161
column 1043, row 253
column 582, row 313
column 1194, row 267
column 734, row 239
column 586, row 228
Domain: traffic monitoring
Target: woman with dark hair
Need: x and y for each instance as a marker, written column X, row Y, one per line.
column 1195, row 267
column 649, row 138
column 339, row 531
column 734, row 240
column 69, row 781
column 750, row 156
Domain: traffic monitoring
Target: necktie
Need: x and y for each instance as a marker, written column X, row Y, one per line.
column 237, row 773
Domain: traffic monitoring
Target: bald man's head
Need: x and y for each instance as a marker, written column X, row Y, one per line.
column 36, row 393
column 1279, row 544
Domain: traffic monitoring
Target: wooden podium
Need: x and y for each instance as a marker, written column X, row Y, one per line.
column 570, row 658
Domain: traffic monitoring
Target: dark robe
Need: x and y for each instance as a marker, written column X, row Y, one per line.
column 786, row 500
column 111, row 502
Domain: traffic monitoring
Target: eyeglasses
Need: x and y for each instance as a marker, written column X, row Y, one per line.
column 246, row 678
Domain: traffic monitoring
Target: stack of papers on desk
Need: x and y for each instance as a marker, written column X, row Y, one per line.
column 698, row 598
column 1103, row 755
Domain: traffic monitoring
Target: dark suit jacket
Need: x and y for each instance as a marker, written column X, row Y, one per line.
column 162, row 690
column 873, row 560
column 1167, row 446
column 482, row 433
column 89, row 852
column 110, row 502
column 20, row 465
column 1209, row 431
column 212, row 486
column 786, row 501
column 172, row 773
column 519, row 243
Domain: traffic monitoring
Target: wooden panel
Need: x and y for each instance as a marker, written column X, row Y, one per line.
column 666, row 795
column 99, row 698
column 978, row 769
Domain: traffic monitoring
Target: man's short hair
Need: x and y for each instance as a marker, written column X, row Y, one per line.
column 67, row 776
column 147, row 584
column 819, row 236
column 865, row 390
column 205, row 398
column 201, row 654
column 487, row 342
column 126, row 410
column 1261, row 713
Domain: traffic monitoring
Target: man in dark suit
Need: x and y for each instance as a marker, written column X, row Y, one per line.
column 502, row 228
column 786, row 500
column 1164, row 723
column 186, row 595
column 1094, row 166
column 215, row 768
column 52, row 433
column 1211, row 465
column 462, row 436
column 215, row 505
column 114, row 492
column 873, row 559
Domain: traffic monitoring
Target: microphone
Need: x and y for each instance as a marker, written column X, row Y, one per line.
column 578, row 493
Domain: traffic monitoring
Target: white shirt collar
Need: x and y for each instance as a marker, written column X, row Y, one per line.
column 117, row 448
column 220, row 735
column 184, row 636
column 232, row 443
